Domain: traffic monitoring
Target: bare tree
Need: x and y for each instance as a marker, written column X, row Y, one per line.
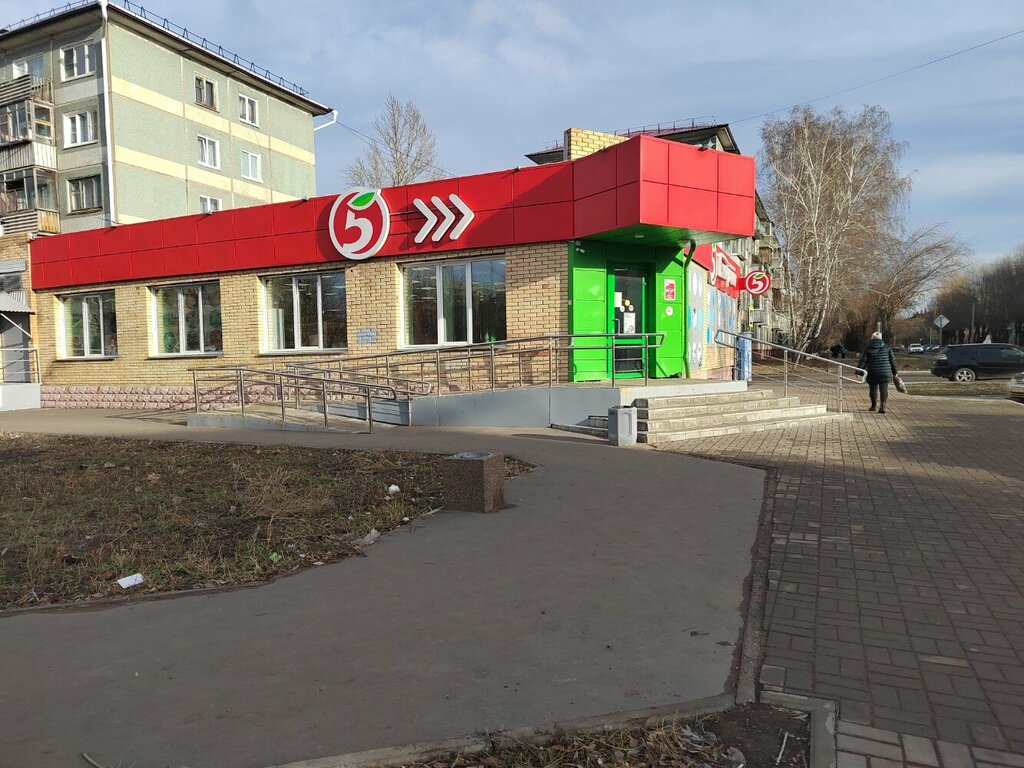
column 404, row 150
column 833, row 188
column 906, row 270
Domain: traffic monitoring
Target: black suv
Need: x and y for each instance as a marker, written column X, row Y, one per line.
column 967, row 362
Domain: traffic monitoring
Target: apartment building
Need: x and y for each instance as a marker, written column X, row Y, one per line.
column 111, row 115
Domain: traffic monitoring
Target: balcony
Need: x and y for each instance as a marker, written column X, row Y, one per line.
column 28, row 201
column 32, row 221
column 26, row 88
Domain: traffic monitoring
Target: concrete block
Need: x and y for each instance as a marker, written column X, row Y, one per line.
column 474, row 482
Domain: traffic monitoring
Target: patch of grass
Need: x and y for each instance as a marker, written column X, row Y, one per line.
column 78, row 513
column 907, row 362
column 755, row 736
column 944, row 388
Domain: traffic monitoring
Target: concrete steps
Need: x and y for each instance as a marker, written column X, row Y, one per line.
column 670, row 419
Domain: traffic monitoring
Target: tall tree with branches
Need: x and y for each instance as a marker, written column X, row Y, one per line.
column 404, row 149
column 832, row 186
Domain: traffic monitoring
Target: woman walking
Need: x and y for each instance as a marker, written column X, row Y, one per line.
column 880, row 362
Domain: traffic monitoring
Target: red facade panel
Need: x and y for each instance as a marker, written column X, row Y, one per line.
column 643, row 181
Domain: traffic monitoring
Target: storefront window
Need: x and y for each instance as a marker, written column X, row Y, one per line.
column 188, row 319
column 444, row 302
column 306, row 312
column 90, row 325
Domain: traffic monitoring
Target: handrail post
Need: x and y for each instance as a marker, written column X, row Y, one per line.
column 369, row 412
column 612, row 353
column 241, row 391
column 551, row 362
column 645, row 361
column 840, row 372
column 281, row 385
column 437, row 368
column 323, row 394
column 494, row 384
column 195, row 387
column 785, row 370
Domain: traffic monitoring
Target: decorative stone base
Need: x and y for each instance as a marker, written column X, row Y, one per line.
column 140, row 397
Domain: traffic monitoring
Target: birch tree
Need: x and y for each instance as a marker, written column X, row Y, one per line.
column 404, row 149
column 832, row 186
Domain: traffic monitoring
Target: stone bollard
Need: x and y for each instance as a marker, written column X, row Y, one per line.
column 474, row 482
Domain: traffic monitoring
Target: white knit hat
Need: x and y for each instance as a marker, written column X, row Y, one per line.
column 876, row 335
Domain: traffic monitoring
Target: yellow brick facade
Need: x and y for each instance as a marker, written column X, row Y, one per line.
column 579, row 142
column 536, row 279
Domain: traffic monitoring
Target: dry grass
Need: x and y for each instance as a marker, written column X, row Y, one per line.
column 751, row 736
column 76, row 514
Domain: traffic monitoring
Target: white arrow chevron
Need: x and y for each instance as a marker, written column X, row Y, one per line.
column 429, row 224
column 467, row 216
column 448, row 217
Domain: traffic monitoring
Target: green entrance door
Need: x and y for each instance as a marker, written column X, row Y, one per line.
column 627, row 287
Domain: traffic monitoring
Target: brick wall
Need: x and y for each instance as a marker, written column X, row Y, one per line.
column 579, row 142
column 536, row 304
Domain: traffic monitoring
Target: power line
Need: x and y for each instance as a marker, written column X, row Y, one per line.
column 376, row 143
column 882, row 79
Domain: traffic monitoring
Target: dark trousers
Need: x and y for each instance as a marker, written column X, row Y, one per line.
column 879, row 388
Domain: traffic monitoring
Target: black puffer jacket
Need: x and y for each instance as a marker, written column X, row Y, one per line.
column 879, row 361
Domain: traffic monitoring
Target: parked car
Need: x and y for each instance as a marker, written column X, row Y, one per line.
column 915, row 349
column 1016, row 387
column 967, row 362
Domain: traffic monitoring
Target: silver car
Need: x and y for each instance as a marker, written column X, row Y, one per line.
column 1016, row 388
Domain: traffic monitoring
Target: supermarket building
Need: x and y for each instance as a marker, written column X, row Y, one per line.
column 618, row 241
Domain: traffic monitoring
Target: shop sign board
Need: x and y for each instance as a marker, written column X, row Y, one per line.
column 756, row 283
column 725, row 272
column 360, row 222
column 670, row 289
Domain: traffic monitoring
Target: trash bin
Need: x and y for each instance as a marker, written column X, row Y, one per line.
column 622, row 425
column 474, row 482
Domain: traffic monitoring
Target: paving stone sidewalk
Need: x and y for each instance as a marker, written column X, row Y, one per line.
column 896, row 577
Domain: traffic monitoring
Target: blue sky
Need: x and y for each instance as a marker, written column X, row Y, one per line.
column 496, row 79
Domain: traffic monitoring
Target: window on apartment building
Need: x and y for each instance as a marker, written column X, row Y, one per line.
column 206, row 92
column 455, row 303
column 188, row 319
column 306, row 311
column 90, row 325
column 33, row 65
column 78, row 60
column 84, row 194
column 248, row 110
column 209, row 204
column 252, row 166
column 43, row 117
column 209, row 152
column 11, row 282
column 80, row 128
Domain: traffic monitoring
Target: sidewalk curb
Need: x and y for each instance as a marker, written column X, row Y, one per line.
column 822, row 714
column 426, row 750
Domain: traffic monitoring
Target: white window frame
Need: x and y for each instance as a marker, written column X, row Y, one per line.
column 205, row 204
column 247, row 157
column 296, row 324
column 22, row 64
column 216, row 95
column 248, row 110
column 99, row 193
column 91, row 123
column 215, row 143
column 103, row 354
column 89, row 60
column 439, row 287
column 155, row 308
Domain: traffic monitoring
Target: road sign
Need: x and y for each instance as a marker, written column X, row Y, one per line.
column 941, row 321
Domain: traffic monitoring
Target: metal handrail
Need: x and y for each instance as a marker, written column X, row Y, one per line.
column 297, row 382
column 443, row 357
column 34, row 356
column 796, row 357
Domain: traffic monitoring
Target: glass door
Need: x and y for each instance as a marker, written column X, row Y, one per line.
column 626, row 316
